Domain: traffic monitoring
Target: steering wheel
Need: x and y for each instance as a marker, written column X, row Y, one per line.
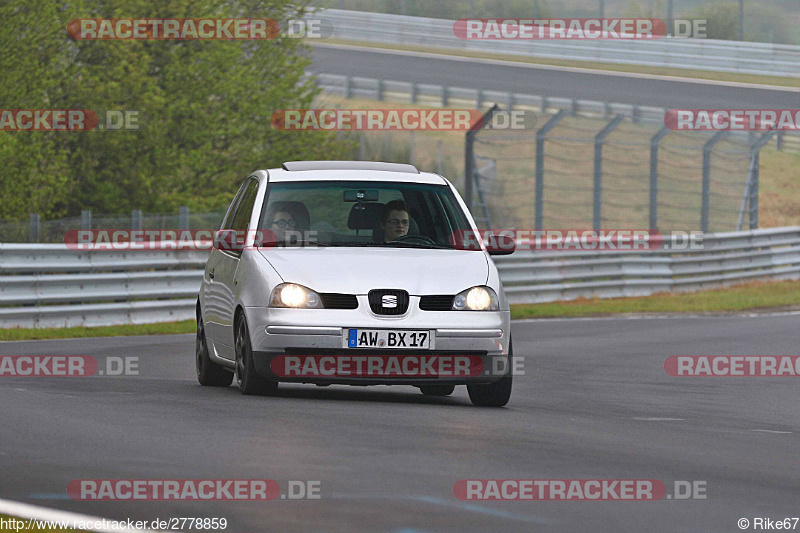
column 420, row 239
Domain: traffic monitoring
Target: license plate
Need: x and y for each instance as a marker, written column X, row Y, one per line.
column 388, row 338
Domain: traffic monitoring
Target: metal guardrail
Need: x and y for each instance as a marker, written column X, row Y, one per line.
column 701, row 54
column 48, row 285
column 725, row 258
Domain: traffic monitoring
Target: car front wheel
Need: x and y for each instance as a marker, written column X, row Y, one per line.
column 247, row 377
column 494, row 394
column 209, row 373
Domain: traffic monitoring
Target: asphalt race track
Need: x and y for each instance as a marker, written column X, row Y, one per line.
column 594, row 403
column 547, row 82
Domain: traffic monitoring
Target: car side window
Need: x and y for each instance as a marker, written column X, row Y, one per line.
column 245, row 208
column 227, row 223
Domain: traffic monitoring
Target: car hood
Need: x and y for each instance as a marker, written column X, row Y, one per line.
column 359, row 270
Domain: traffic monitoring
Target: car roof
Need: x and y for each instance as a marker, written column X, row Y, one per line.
column 338, row 172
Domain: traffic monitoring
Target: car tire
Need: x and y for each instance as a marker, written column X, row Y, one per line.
column 209, row 373
column 437, row 390
column 246, row 376
column 494, row 394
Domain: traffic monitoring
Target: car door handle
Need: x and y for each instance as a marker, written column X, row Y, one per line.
column 211, row 275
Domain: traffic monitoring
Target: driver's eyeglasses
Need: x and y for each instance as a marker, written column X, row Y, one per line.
column 283, row 224
column 398, row 222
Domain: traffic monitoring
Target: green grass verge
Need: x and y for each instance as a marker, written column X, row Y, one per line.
column 755, row 296
column 611, row 67
column 165, row 328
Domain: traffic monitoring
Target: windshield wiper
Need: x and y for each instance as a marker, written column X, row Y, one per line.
column 404, row 244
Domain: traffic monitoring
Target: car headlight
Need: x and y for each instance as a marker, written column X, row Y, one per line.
column 295, row 296
column 476, row 299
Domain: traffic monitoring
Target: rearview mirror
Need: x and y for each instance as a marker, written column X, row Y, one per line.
column 369, row 195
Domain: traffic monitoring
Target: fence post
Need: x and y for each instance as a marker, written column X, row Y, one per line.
column 439, row 157
column 597, row 195
column 86, row 219
column 136, row 219
column 755, row 152
column 541, row 136
column 35, row 225
column 654, row 141
column 183, row 217
column 469, row 154
column 707, row 147
column 411, row 148
column 362, row 147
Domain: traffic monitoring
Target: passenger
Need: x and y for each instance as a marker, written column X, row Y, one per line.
column 279, row 220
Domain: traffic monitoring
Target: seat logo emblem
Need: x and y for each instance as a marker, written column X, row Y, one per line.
column 389, row 301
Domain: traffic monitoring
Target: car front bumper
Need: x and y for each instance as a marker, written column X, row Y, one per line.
column 320, row 332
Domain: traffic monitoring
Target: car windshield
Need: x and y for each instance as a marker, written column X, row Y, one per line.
column 361, row 213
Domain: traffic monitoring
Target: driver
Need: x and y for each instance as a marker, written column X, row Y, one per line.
column 395, row 220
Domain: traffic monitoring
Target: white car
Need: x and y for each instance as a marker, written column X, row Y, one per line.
column 338, row 272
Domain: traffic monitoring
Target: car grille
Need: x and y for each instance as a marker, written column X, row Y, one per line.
column 339, row 301
column 437, row 302
column 388, row 301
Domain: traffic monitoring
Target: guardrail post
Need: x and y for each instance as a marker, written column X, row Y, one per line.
column 379, row 90
column 510, row 101
column 86, row 219
column 478, row 98
column 362, row 147
column 541, row 136
column 136, row 219
column 707, row 147
column 413, row 90
column 779, row 141
column 35, row 225
column 183, row 217
column 348, row 87
column 444, row 96
column 597, row 195
column 654, row 141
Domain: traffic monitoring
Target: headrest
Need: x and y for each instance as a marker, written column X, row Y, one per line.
column 364, row 215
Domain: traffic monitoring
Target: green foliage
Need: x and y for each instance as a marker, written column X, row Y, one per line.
column 203, row 108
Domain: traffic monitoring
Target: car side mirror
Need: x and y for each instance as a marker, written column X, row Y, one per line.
column 226, row 240
column 501, row 243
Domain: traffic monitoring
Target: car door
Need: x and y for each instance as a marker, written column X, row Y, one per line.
column 227, row 263
column 211, row 300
